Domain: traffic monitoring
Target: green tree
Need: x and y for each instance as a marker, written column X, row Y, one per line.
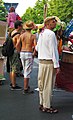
column 28, row 15
column 3, row 11
column 60, row 8
column 36, row 14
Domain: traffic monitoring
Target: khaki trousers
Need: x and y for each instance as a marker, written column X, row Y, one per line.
column 46, row 81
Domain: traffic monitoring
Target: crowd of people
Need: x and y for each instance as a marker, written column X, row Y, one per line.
column 27, row 44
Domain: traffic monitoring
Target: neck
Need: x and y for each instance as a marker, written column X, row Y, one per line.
column 29, row 31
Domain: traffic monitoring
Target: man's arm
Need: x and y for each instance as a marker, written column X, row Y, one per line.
column 18, row 43
column 35, row 43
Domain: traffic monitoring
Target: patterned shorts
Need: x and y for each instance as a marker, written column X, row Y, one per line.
column 14, row 61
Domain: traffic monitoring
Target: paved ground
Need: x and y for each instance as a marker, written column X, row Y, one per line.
column 16, row 106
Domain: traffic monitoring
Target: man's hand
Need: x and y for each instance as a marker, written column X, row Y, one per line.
column 57, row 70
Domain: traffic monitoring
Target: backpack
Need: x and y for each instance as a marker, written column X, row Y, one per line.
column 8, row 47
column 18, row 17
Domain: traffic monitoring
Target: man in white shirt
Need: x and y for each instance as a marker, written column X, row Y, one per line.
column 48, row 64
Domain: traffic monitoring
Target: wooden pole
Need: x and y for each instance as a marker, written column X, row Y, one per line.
column 45, row 10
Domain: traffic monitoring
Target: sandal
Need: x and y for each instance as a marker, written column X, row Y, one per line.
column 49, row 110
column 53, row 110
column 40, row 107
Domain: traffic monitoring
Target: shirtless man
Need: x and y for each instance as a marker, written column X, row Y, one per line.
column 14, row 59
column 28, row 42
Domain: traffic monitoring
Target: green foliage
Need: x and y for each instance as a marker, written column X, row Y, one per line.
column 35, row 14
column 28, row 15
column 60, row 8
column 3, row 11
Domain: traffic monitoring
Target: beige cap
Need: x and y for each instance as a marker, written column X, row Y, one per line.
column 48, row 19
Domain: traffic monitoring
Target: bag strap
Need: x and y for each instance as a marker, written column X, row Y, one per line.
column 15, row 34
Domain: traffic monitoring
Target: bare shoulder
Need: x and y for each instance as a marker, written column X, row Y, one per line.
column 34, row 36
column 22, row 36
column 16, row 35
